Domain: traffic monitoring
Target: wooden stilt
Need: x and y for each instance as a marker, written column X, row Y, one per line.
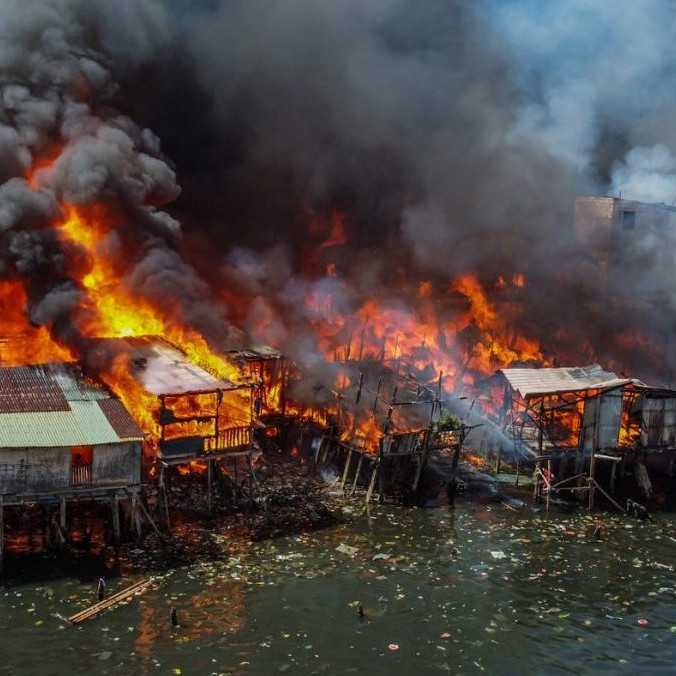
column 210, row 478
column 318, row 450
column 165, row 498
column 372, row 483
column 536, row 482
column 148, row 517
column 356, row 474
column 347, row 469
column 115, row 508
column 63, row 523
column 381, row 484
column 549, row 478
column 325, row 447
column 613, row 472
column 136, row 516
column 516, row 479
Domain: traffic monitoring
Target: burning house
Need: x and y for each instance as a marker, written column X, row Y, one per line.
column 65, row 438
column 192, row 416
column 585, row 423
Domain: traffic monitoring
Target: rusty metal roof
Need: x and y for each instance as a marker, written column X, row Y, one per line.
column 119, row 419
column 30, row 388
column 54, row 405
column 529, row 382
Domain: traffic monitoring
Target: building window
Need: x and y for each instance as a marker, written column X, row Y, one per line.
column 628, row 220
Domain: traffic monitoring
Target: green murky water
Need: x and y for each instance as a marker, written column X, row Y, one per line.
column 478, row 590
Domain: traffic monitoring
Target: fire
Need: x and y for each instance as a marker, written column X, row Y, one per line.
column 421, row 338
column 142, row 405
column 21, row 342
column 118, row 314
column 113, row 312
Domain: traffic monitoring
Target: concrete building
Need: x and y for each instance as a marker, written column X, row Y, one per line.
column 632, row 242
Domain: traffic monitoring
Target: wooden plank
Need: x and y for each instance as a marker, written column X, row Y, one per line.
column 115, row 599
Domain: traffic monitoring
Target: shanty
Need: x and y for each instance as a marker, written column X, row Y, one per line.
column 64, row 438
column 588, row 422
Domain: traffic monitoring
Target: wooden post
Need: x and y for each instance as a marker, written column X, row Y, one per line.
column 318, row 450
column 613, row 472
column 361, row 384
column 347, row 468
column 210, row 477
column 595, row 444
column 375, row 401
column 63, row 520
column 516, row 480
column 498, row 460
column 549, row 479
column 136, row 516
column 372, row 483
column 115, row 508
column 356, row 474
column 453, row 481
column 428, row 434
column 536, row 486
column 165, row 498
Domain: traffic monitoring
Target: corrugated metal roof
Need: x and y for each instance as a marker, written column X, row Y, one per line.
column 159, row 367
column 84, row 425
column 119, row 419
column 30, row 388
column 55, row 405
column 528, row 382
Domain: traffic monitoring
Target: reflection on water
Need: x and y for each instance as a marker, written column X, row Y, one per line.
column 479, row 590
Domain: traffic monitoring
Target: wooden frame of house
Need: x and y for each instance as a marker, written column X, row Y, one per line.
column 588, row 415
column 202, row 418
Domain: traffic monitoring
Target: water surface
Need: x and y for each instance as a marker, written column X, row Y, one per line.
column 479, row 589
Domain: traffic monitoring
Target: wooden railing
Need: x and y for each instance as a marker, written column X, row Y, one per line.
column 81, row 475
column 233, row 437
